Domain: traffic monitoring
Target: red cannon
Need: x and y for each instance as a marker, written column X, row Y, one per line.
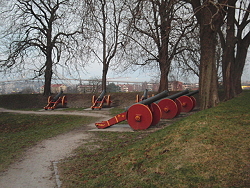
column 173, row 105
column 99, row 101
column 140, row 115
column 188, row 102
column 58, row 99
column 143, row 97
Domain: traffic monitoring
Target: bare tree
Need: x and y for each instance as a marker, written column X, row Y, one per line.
column 96, row 84
column 187, row 62
column 155, row 34
column 43, row 33
column 235, row 41
column 107, row 17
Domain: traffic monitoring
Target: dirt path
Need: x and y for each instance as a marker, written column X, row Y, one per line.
column 55, row 112
column 38, row 166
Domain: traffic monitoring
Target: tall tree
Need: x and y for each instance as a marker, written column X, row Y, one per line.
column 210, row 17
column 228, row 46
column 44, row 32
column 235, row 41
column 156, row 30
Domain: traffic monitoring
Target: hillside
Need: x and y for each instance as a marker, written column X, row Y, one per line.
column 208, row 149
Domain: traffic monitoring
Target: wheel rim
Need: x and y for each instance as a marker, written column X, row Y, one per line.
column 156, row 111
column 186, row 103
column 139, row 117
column 169, row 108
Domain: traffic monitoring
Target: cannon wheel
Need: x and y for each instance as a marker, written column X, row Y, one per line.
column 64, row 101
column 137, row 98
column 178, row 103
column 186, row 103
column 169, row 108
column 194, row 101
column 49, row 99
column 93, row 99
column 156, row 111
column 108, row 101
column 139, row 117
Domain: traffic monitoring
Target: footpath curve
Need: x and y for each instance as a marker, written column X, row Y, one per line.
column 37, row 168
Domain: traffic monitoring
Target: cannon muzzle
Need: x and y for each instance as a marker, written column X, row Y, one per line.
column 154, row 98
column 151, row 99
column 101, row 95
column 57, row 96
column 145, row 95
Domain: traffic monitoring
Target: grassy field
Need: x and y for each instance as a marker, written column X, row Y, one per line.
column 19, row 132
column 211, row 148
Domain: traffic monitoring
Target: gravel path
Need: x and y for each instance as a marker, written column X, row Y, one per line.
column 37, row 169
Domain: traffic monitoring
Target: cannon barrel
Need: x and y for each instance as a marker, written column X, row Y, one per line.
column 175, row 96
column 145, row 94
column 101, row 95
column 154, row 98
column 57, row 96
column 192, row 93
column 151, row 99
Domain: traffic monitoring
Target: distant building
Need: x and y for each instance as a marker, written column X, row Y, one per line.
column 153, row 86
column 124, row 88
column 55, row 88
column 175, row 86
column 191, row 86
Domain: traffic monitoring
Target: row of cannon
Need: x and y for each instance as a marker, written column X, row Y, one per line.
column 145, row 112
column 149, row 111
column 97, row 102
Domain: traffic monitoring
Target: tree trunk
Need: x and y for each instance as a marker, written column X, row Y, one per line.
column 164, row 62
column 104, row 76
column 228, row 58
column 209, row 19
column 49, row 62
column 208, row 85
column 164, row 69
column 48, row 76
column 105, row 66
column 242, row 49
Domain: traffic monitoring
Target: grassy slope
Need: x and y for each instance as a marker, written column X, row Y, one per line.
column 208, row 149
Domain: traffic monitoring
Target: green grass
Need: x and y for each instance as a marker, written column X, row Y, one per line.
column 19, row 132
column 208, row 149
